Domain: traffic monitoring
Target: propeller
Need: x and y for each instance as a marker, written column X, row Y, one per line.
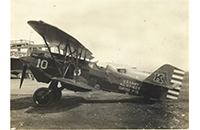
column 23, row 74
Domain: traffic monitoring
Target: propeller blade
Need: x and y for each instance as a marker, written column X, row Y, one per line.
column 23, row 74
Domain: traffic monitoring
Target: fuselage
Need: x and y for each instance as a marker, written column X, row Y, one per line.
column 109, row 79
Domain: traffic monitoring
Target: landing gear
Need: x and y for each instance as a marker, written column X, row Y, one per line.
column 45, row 96
column 57, row 95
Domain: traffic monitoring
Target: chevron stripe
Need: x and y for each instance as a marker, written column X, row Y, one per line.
column 176, row 89
column 177, row 78
column 180, row 74
column 173, row 92
column 176, row 81
column 179, row 71
column 172, row 97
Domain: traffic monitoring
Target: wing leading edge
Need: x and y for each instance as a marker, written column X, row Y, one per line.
column 59, row 38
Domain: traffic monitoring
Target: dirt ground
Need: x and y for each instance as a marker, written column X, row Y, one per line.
column 96, row 110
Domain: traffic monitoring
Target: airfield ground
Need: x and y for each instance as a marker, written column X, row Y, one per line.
column 96, row 110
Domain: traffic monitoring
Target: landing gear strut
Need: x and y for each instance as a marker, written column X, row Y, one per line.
column 57, row 94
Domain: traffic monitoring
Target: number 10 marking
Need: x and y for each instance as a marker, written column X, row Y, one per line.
column 42, row 64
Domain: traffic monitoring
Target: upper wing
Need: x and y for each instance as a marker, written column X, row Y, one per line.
column 57, row 37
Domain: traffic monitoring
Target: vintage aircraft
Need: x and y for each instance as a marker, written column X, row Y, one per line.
column 72, row 68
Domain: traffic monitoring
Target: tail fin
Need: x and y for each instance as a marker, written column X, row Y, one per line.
column 169, row 77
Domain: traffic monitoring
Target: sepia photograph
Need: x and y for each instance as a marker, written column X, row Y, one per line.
column 99, row 64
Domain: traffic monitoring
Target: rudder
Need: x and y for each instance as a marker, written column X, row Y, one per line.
column 169, row 77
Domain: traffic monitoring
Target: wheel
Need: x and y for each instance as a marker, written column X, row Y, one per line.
column 43, row 97
column 57, row 95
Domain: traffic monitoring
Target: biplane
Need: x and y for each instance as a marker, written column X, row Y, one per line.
column 71, row 66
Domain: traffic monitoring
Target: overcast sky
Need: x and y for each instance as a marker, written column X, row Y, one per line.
column 141, row 33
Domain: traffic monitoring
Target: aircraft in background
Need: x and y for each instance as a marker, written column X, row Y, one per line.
column 73, row 69
column 18, row 48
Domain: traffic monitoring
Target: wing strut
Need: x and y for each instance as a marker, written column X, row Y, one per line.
column 74, row 63
column 66, row 70
column 85, row 54
column 65, row 59
column 76, row 69
column 58, row 49
column 52, row 55
column 70, row 51
column 80, row 53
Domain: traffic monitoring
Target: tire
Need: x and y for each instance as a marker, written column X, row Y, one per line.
column 43, row 97
column 57, row 95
